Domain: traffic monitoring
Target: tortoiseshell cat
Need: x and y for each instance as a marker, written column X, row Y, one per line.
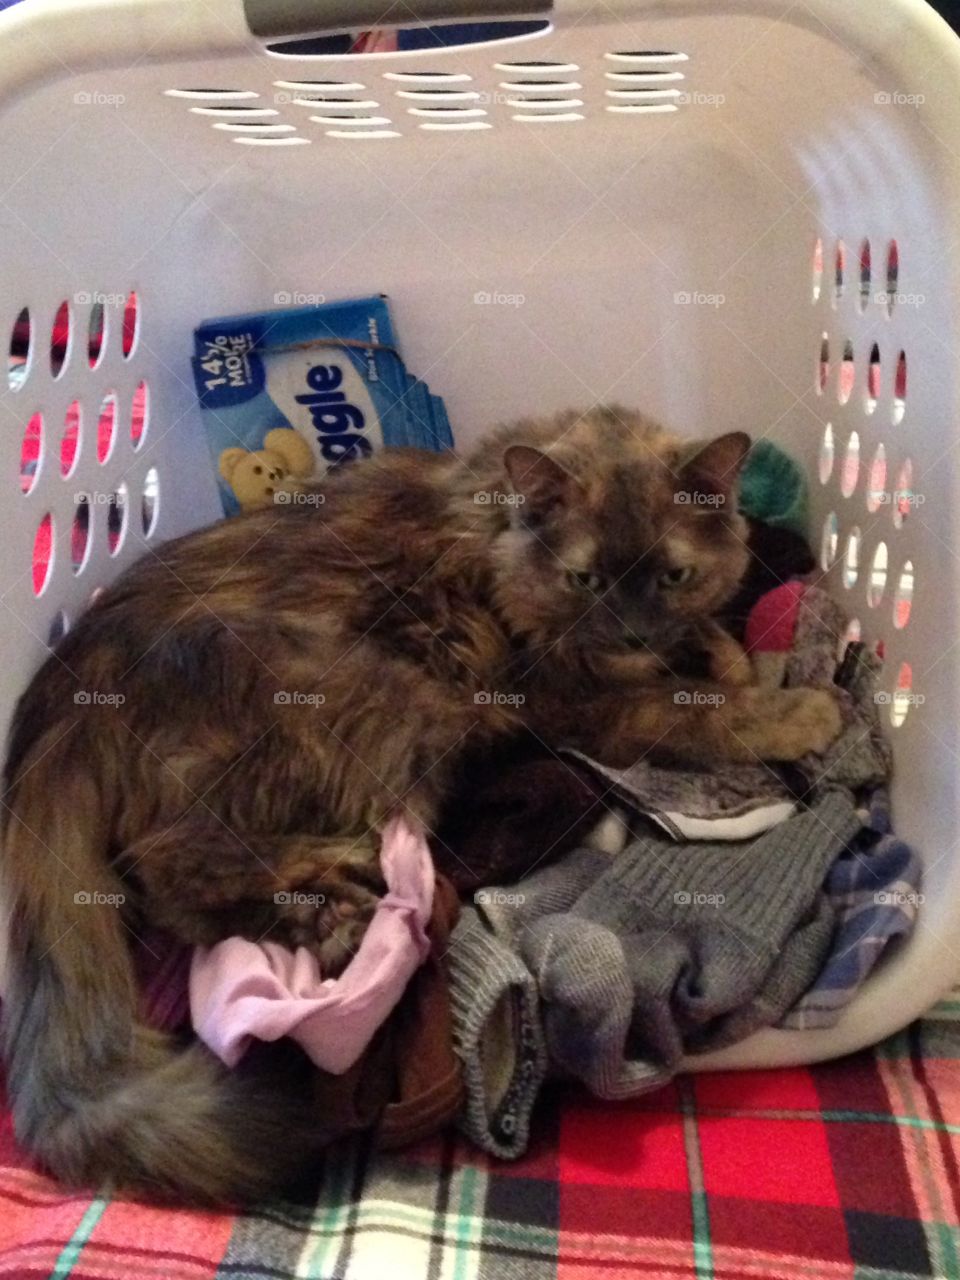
column 292, row 675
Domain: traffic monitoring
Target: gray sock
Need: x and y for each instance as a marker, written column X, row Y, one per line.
column 712, row 940
column 553, row 888
column 588, row 1006
column 498, row 1034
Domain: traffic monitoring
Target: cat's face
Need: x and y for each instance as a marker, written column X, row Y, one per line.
column 626, row 554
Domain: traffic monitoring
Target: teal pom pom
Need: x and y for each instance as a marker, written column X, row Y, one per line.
column 773, row 488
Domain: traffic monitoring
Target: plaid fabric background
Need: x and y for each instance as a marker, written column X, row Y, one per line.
column 843, row 1170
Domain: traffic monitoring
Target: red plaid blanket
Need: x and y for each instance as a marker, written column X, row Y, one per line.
column 847, row 1170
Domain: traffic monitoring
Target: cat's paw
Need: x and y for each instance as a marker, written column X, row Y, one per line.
column 329, row 918
column 801, row 721
column 731, row 666
column 727, row 661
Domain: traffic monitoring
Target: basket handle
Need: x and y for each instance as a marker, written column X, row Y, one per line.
column 281, row 19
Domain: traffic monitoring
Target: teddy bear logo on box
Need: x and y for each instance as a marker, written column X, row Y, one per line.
column 256, row 476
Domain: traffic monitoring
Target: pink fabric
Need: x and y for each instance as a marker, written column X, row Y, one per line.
column 241, row 990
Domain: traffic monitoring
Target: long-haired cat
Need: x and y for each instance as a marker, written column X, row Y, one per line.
column 288, row 678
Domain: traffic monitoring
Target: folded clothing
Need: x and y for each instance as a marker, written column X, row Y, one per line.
column 861, row 758
column 874, row 888
column 666, row 949
column 241, row 990
column 729, row 802
column 613, row 968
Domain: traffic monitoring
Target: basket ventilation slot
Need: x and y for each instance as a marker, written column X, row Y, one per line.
column 864, row 284
column 92, row 337
column 529, row 91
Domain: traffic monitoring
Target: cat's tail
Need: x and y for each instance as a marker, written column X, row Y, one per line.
column 100, row 1100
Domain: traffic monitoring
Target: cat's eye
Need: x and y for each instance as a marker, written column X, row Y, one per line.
column 586, row 581
column 676, row 577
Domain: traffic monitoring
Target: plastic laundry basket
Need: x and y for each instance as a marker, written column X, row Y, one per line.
column 732, row 213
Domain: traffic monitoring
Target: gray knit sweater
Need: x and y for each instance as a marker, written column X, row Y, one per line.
column 664, row 949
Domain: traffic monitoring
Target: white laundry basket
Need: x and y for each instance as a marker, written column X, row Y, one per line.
column 625, row 206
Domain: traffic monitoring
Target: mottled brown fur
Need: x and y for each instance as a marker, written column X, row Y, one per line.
column 290, row 677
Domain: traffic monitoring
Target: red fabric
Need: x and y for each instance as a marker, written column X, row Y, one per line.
column 599, row 1150
column 773, row 619
column 844, row 1171
column 736, row 1153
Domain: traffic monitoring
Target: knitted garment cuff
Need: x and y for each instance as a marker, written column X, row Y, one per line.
column 498, row 1034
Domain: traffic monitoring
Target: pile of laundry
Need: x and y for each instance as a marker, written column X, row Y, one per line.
column 572, row 921
column 711, row 903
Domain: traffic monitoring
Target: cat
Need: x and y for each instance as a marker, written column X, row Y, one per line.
column 236, row 715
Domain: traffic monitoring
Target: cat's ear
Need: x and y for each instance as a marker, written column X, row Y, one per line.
column 714, row 468
column 536, row 478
